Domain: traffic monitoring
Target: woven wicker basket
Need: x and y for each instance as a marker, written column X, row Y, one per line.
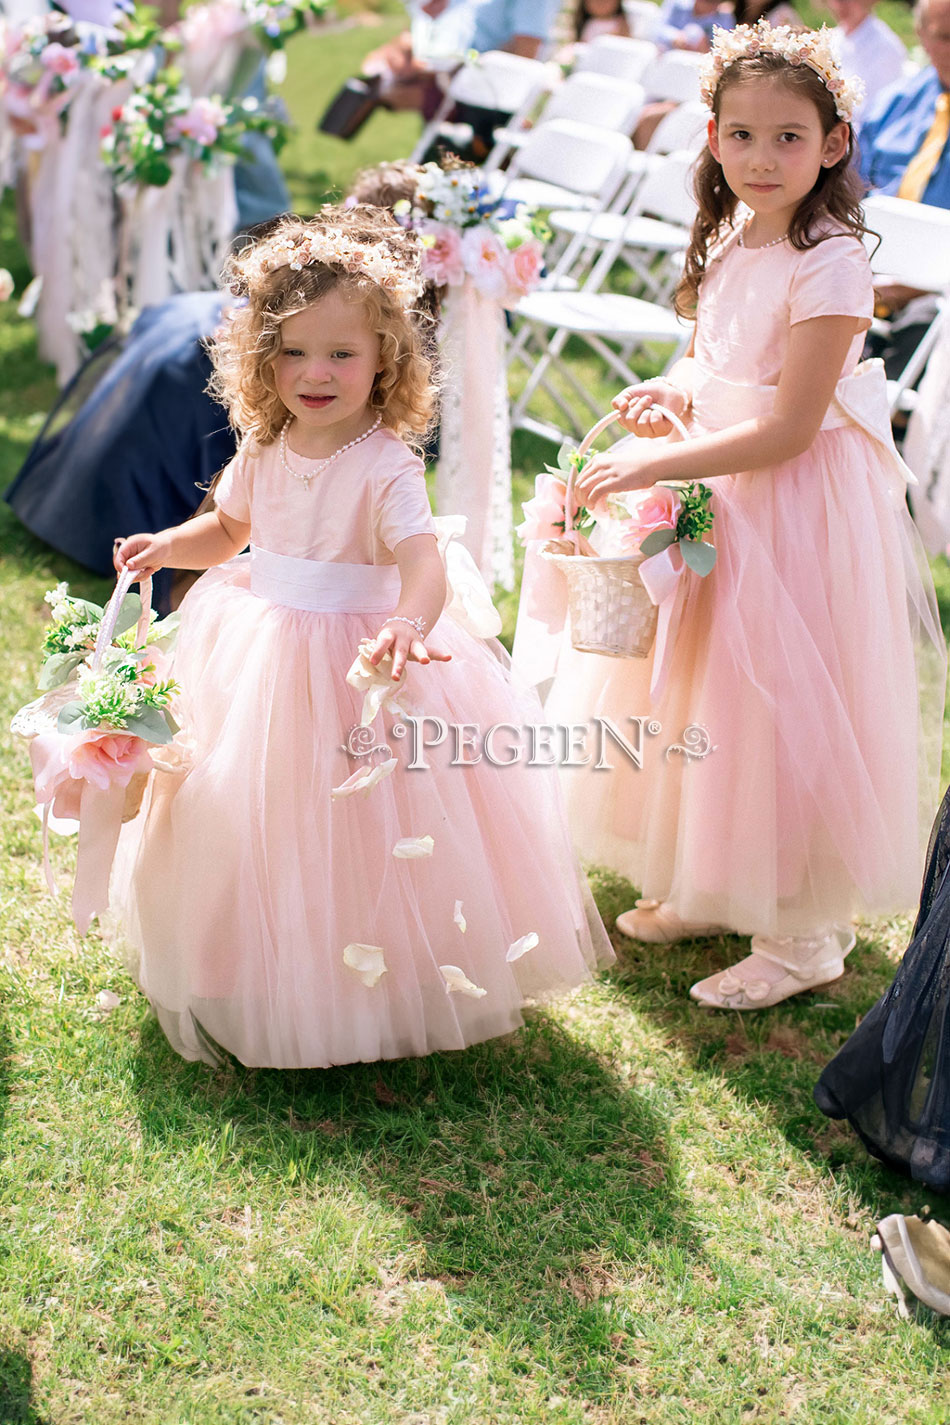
column 42, row 715
column 610, row 610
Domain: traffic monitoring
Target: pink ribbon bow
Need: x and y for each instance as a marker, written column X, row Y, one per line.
column 662, row 576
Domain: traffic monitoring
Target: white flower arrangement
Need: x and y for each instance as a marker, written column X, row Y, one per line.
column 809, row 47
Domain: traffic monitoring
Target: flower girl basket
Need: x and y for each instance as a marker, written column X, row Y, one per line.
column 41, row 716
column 610, row 610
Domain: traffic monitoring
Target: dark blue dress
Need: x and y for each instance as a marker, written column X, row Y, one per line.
column 132, row 440
column 891, row 1080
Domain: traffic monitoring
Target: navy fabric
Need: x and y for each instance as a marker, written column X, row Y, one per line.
column 131, row 441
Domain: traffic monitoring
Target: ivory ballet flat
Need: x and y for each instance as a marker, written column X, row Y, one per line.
column 656, row 923
column 916, row 1261
column 740, row 987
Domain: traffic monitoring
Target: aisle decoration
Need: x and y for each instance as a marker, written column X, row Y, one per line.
column 105, row 706
column 486, row 254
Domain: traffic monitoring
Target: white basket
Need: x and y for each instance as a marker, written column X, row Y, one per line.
column 610, row 610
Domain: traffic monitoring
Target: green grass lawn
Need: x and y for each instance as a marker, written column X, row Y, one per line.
column 629, row 1212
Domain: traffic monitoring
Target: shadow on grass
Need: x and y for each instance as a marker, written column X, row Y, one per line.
column 525, row 1167
column 770, row 1059
column 16, row 1391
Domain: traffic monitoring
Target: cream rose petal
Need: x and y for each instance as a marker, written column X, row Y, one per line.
column 456, row 981
column 364, row 779
column 411, row 848
column 522, row 946
column 459, row 918
column 367, row 961
column 106, row 1001
column 375, row 683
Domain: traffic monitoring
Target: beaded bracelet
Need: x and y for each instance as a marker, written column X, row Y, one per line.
column 419, row 624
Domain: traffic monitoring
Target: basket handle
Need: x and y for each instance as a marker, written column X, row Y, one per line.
column 588, row 441
column 111, row 615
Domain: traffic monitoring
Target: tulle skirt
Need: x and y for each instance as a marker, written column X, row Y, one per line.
column 242, row 882
column 892, row 1077
column 789, row 771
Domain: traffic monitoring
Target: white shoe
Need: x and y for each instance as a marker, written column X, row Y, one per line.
column 748, row 985
column 656, row 923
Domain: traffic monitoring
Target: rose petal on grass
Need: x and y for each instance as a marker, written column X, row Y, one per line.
column 457, row 982
column 107, row 1001
column 367, row 961
column 364, row 779
column 411, row 848
column 459, row 918
column 522, row 946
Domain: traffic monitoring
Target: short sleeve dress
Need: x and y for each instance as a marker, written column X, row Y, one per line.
column 272, row 920
column 791, row 774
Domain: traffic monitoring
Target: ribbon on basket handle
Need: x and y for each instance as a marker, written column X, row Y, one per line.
column 661, row 573
column 113, row 608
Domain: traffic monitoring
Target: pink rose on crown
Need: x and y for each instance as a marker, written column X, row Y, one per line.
column 441, row 254
column 524, row 266
column 486, row 261
column 106, row 758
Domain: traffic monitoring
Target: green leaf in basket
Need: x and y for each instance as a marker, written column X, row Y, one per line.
column 70, row 717
column 564, row 461
column 128, row 614
column 57, row 669
column 699, row 556
column 149, row 724
column 658, row 540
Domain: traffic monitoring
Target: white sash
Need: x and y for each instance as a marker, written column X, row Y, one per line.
column 318, row 586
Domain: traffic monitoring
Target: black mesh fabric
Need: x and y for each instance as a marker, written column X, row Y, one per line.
column 891, row 1080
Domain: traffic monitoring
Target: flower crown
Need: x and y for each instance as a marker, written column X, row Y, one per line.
column 810, row 47
column 334, row 248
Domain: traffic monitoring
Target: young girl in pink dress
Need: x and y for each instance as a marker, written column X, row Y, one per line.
column 293, row 898
column 809, row 651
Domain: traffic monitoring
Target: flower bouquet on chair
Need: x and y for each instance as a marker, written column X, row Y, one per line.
column 105, row 705
column 623, row 578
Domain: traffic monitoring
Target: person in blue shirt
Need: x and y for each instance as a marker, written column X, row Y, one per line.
column 892, row 129
column 521, row 26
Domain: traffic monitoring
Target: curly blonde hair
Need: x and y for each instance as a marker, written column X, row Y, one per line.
column 273, row 288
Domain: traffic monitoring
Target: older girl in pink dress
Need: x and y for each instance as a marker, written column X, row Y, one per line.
column 809, row 651
column 291, row 897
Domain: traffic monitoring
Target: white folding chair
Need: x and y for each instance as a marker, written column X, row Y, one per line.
column 593, row 99
column 612, row 325
column 494, row 80
column 616, row 55
column 682, row 130
column 673, row 77
column 652, row 233
column 641, row 16
column 566, row 164
column 914, row 250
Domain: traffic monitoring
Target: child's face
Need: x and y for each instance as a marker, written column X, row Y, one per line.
column 771, row 145
column 324, row 371
column 602, row 9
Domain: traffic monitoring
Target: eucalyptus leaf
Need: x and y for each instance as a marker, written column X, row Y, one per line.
column 164, row 631
column 150, row 725
column 70, row 718
column 128, row 614
column 658, row 540
column 57, row 669
column 698, row 555
column 564, row 457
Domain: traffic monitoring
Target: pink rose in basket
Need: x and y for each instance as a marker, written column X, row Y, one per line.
column 652, row 509
column 441, row 254
column 486, row 261
column 524, row 267
column 106, row 758
column 544, row 515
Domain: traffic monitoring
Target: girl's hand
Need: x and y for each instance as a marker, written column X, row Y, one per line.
column 636, row 406
column 610, row 473
column 145, row 553
column 405, row 645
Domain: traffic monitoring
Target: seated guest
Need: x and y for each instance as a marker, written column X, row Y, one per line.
column 594, row 18
column 902, row 141
column 866, row 48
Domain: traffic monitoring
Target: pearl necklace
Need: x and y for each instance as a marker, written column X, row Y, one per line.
column 320, row 465
column 762, row 246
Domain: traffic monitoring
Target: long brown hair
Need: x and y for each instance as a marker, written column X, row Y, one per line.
column 836, row 195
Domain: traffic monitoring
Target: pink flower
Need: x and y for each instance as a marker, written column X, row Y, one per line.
column 524, row 267
column 6, row 285
column 544, row 515
column 441, row 254
column 59, row 60
column 653, row 509
column 200, row 124
column 106, row 758
column 486, row 261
